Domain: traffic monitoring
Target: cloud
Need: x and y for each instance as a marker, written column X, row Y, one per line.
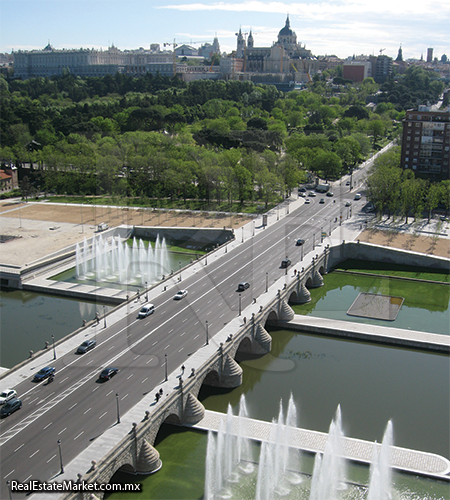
column 327, row 9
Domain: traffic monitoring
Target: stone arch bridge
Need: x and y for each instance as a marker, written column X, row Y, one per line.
column 135, row 452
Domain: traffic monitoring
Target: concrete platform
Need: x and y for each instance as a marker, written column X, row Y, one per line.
column 371, row 333
column 357, row 450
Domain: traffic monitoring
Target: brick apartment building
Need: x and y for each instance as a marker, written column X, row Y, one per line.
column 426, row 142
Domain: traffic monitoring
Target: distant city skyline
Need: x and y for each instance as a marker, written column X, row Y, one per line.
column 335, row 27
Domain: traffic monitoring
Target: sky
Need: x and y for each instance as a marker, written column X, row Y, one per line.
column 333, row 27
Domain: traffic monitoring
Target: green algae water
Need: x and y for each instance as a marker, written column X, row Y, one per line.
column 372, row 383
column 425, row 308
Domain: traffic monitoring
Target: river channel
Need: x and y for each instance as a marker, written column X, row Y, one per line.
column 372, row 384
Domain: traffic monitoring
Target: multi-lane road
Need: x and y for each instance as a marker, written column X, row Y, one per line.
column 77, row 408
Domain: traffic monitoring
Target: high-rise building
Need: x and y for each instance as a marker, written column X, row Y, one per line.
column 426, row 142
column 429, row 55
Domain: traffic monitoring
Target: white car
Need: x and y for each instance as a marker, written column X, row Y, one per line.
column 181, row 294
column 6, row 395
column 307, row 201
column 357, row 196
column 146, row 311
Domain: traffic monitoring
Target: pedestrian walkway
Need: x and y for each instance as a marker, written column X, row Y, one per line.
column 358, row 450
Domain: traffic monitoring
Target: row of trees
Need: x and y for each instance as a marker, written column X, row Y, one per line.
column 399, row 192
column 211, row 140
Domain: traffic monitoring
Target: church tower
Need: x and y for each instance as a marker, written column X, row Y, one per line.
column 250, row 40
column 240, row 50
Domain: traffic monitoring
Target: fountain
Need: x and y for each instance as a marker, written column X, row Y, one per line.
column 278, row 471
column 228, row 455
column 329, row 470
column 116, row 261
column 380, row 471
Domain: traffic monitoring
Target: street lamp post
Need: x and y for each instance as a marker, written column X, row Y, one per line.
column 321, row 235
column 179, row 265
column 60, row 457
column 54, row 350
column 165, row 366
column 82, row 227
column 207, row 337
column 146, row 292
column 302, row 253
column 242, row 234
column 117, row 405
column 314, row 240
column 239, row 304
column 267, row 282
column 104, row 315
column 9, row 489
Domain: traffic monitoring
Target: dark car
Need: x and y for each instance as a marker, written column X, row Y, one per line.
column 10, row 407
column 108, row 373
column 44, row 373
column 243, row 286
column 322, row 200
column 302, row 190
column 285, row 263
column 86, row 346
column 299, row 242
column 330, row 194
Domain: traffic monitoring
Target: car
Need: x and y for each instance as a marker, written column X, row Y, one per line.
column 330, row 194
column 312, row 194
column 146, row 311
column 348, row 203
column 357, row 196
column 86, row 346
column 307, row 201
column 10, row 407
column 6, row 395
column 322, row 200
column 108, row 373
column 299, row 242
column 243, row 286
column 180, row 294
column 285, row 263
column 44, row 373
column 347, row 183
column 302, row 189
column 302, row 195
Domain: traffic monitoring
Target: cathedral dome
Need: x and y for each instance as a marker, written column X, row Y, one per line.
column 286, row 31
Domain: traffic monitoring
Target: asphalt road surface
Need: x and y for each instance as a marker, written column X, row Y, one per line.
column 77, row 407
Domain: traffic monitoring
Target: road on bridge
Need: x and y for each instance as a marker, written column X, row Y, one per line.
column 77, row 408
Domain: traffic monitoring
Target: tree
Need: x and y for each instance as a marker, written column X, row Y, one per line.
column 432, row 198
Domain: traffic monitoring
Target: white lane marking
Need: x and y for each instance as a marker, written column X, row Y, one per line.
column 146, row 378
column 182, row 334
column 121, row 399
column 101, row 416
column 60, row 432
column 170, row 331
column 196, row 336
column 110, row 392
column 87, row 411
column 76, row 437
column 165, row 348
column 136, row 357
column 4, row 477
column 112, row 347
column 147, row 362
column 73, row 406
column 128, row 378
column 48, row 425
column 181, row 349
column 31, row 456
column 25, row 480
column 63, row 380
column 50, row 459
column 89, row 362
column 17, row 449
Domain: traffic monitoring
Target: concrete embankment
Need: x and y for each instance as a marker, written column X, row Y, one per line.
column 370, row 333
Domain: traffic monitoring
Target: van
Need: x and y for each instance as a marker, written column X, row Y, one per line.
column 146, row 311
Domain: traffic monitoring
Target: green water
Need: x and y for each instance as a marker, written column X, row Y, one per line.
column 426, row 305
column 29, row 319
column 372, row 384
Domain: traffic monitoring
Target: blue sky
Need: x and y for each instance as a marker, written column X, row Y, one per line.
column 340, row 27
